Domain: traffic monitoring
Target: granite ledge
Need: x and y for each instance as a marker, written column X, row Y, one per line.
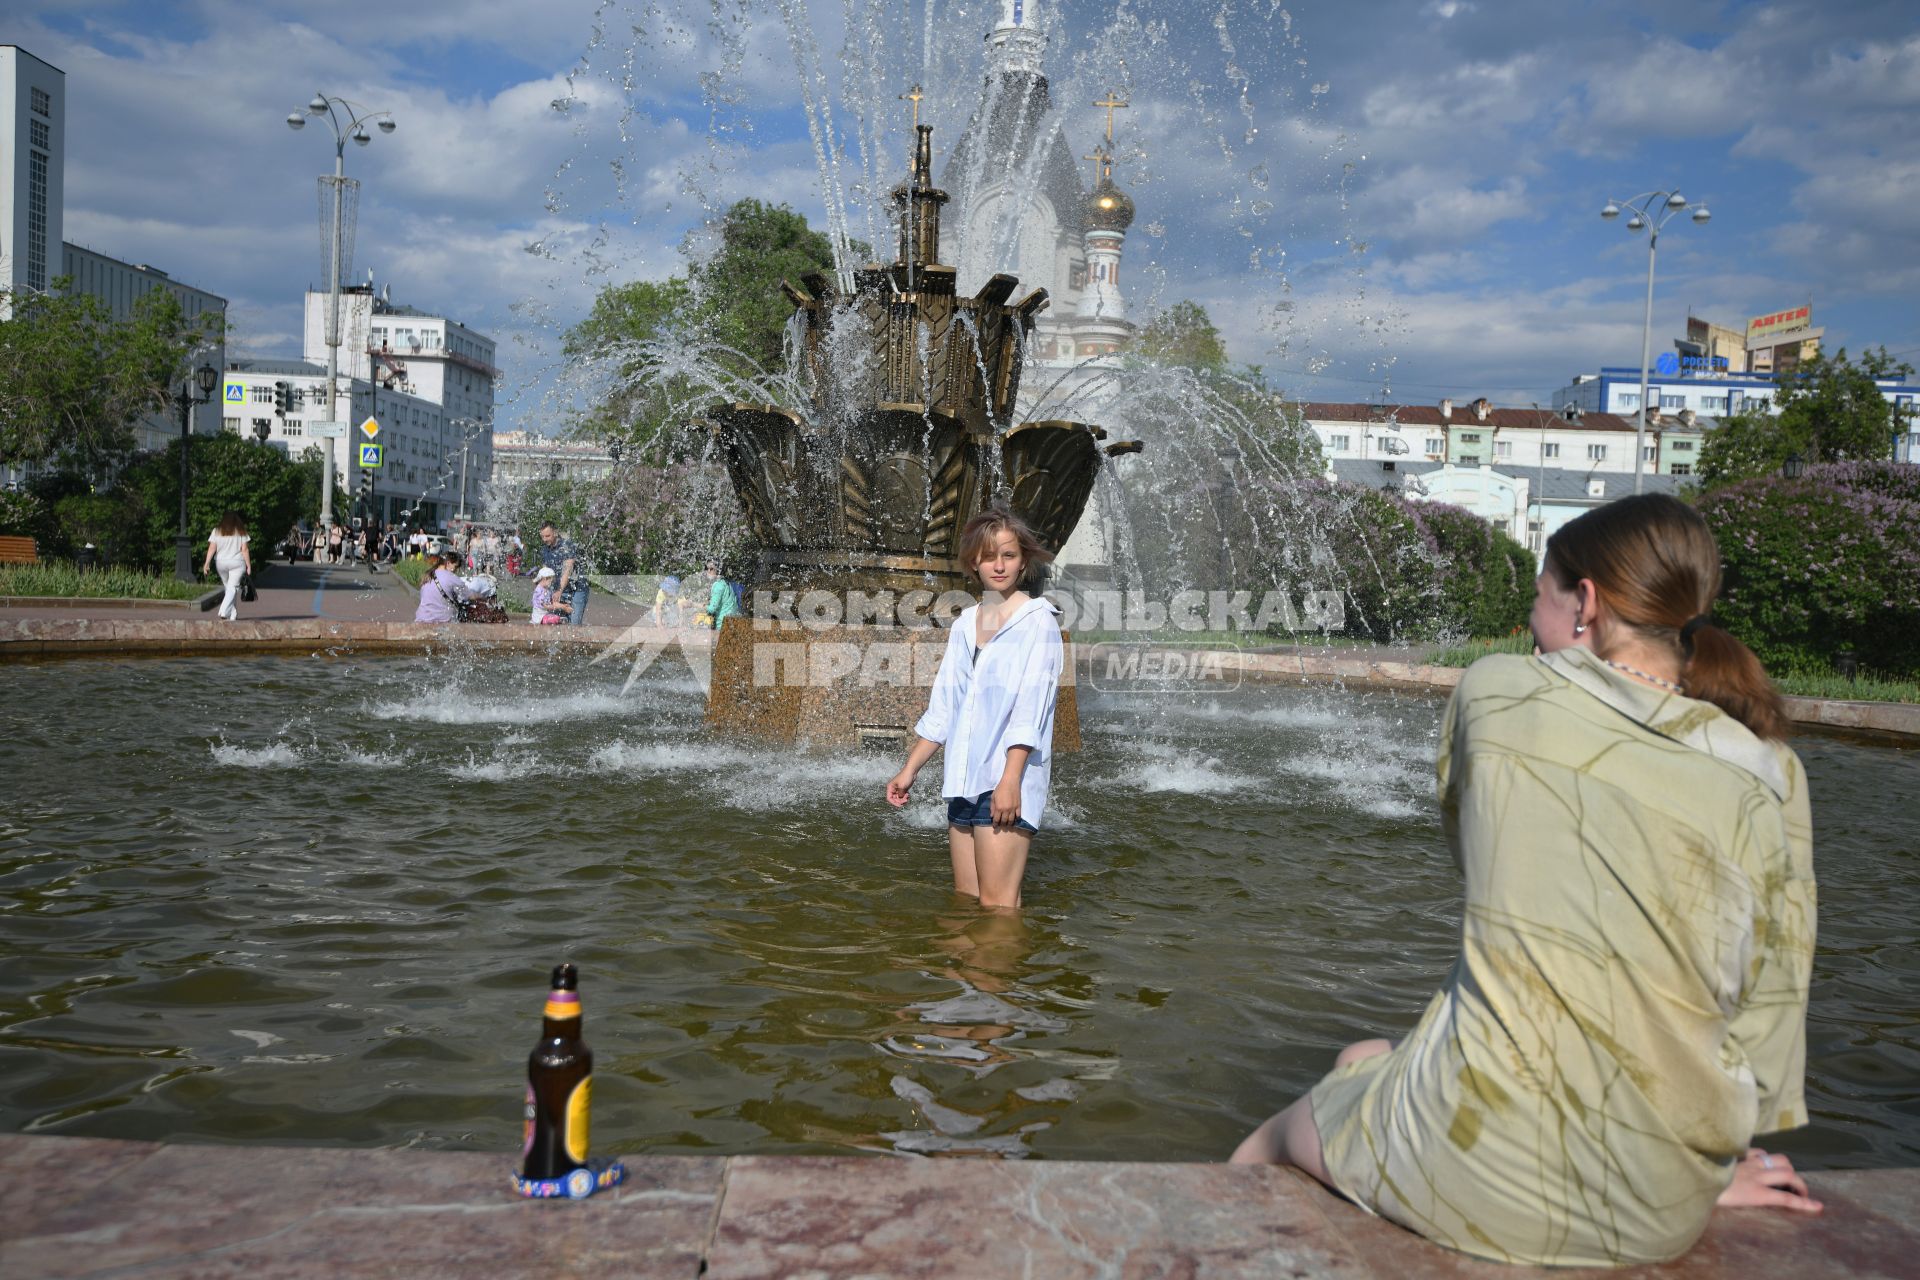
column 79, row 1207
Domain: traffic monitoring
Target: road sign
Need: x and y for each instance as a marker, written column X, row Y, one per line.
column 236, row 393
column 327, row 430
column 371, row 426
column 369, row 455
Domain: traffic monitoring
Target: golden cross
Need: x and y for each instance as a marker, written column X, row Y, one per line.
column 914, row 94
column 1112, row 101
column 1096, row 155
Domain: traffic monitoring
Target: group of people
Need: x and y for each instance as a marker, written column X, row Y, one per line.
column 560, row 591
column 706, row 602
column 1628, row 1007
column 1627, row 1011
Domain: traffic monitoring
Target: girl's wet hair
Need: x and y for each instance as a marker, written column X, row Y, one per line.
column 977, row 539
column 1654, row 563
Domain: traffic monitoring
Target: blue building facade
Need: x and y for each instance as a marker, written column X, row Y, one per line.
column 1682, row 383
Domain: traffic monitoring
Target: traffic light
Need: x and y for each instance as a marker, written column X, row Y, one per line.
column 283, row 398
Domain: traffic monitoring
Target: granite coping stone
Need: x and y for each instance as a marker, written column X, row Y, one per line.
column 92, row 1207
column 104, row 637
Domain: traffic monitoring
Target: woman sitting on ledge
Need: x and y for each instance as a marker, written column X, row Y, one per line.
column 1628, row 1007
column 440, row 591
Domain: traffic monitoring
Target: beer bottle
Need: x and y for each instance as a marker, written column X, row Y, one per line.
column 559, row 1084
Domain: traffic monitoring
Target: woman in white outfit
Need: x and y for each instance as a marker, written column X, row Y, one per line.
column 227, row 551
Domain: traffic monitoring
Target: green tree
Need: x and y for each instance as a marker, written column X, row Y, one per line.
column 74, row 381
column 225, row 473
column 672, row 343
column 1828, row 410
column 1183, row 334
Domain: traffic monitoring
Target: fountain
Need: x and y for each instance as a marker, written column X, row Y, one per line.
column 862, row 495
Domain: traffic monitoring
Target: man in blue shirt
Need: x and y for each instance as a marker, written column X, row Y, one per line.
column 570, row 585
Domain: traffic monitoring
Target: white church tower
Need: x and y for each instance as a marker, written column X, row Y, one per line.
column 1021, row 205
column 1023, row 208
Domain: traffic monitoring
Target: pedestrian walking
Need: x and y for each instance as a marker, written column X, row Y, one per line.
column 227, row 551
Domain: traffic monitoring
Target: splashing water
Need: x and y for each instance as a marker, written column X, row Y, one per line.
column 1223, row 138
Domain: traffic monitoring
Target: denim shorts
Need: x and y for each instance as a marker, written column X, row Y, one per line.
column 978, row 812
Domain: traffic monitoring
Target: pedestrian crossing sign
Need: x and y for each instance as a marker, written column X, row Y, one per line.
column 370, row 455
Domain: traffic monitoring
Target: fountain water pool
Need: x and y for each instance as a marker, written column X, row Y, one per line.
column 273, row 900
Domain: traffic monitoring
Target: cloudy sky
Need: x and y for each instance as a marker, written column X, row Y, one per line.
column 1374, row 198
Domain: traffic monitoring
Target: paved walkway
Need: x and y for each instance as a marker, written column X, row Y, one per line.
column 342, row 593
column 76, row 1207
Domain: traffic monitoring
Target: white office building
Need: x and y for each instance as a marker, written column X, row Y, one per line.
column 1680, row 386
column 33, row 120
column 425, row 379
column 1527, row 504
column 33, row 252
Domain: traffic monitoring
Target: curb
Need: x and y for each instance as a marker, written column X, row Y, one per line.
column 201, row 602
column 32, row 638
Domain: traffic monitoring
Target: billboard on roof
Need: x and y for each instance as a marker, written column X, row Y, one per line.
column 1780, row 324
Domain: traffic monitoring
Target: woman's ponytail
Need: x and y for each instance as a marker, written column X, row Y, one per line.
column 1716, row 667
column 1654, row 562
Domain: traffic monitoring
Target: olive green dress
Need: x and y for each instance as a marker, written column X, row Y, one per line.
column 1628, row 1008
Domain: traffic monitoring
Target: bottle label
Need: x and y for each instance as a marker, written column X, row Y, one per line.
column 563, row 1004
column 577, row 1119
column 526, row 1141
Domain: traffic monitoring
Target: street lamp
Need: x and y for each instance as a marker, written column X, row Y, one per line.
column 206, row 378
column 1791, row 466
column 349, row 121
column 1651, row 212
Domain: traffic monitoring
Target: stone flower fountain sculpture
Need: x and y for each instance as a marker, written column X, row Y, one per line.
column 863, row 493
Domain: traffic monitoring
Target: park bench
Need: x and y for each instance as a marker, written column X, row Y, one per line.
column 16, row 550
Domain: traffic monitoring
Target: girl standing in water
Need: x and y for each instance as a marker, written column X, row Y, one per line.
column 1628, row 1009
column 992, row 709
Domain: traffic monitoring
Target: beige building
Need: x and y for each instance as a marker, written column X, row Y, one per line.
column 523, row 456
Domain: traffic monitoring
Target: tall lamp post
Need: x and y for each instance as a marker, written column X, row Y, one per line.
column 206, row 378
column 349, row 123
column 1651, row 212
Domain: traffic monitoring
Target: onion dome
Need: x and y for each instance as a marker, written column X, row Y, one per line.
column 1108, row 208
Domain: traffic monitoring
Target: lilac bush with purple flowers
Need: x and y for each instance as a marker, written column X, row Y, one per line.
column 1821, row 564
column 1408, row 570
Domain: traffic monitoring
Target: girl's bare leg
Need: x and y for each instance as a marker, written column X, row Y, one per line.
column 1291, row 1137
column 1000, row 863
column 960, row 847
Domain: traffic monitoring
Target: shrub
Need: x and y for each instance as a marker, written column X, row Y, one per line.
column 22, row 514
column 1486, row 577
column 226, row 473
column 1823, row 563
column 1407, row 570
column 114, row 523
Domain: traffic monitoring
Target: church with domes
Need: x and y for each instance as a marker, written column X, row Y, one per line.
column 1021, row 205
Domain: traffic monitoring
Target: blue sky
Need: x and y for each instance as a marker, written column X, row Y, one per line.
column 1433, row 168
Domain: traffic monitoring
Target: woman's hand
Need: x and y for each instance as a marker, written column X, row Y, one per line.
column 898, row 786
column 1006, row 804
column 1765, row 1180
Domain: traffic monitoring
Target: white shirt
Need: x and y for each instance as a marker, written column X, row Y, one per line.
column 979, row 711
column 227, row 548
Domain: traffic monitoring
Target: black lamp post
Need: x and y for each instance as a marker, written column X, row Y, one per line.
column 206, row 377
column 1792, row 467
column 262, row 428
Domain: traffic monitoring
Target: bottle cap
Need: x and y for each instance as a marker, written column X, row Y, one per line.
column 566, row 978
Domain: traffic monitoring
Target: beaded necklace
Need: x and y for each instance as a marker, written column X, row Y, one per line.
column 1650, row 679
